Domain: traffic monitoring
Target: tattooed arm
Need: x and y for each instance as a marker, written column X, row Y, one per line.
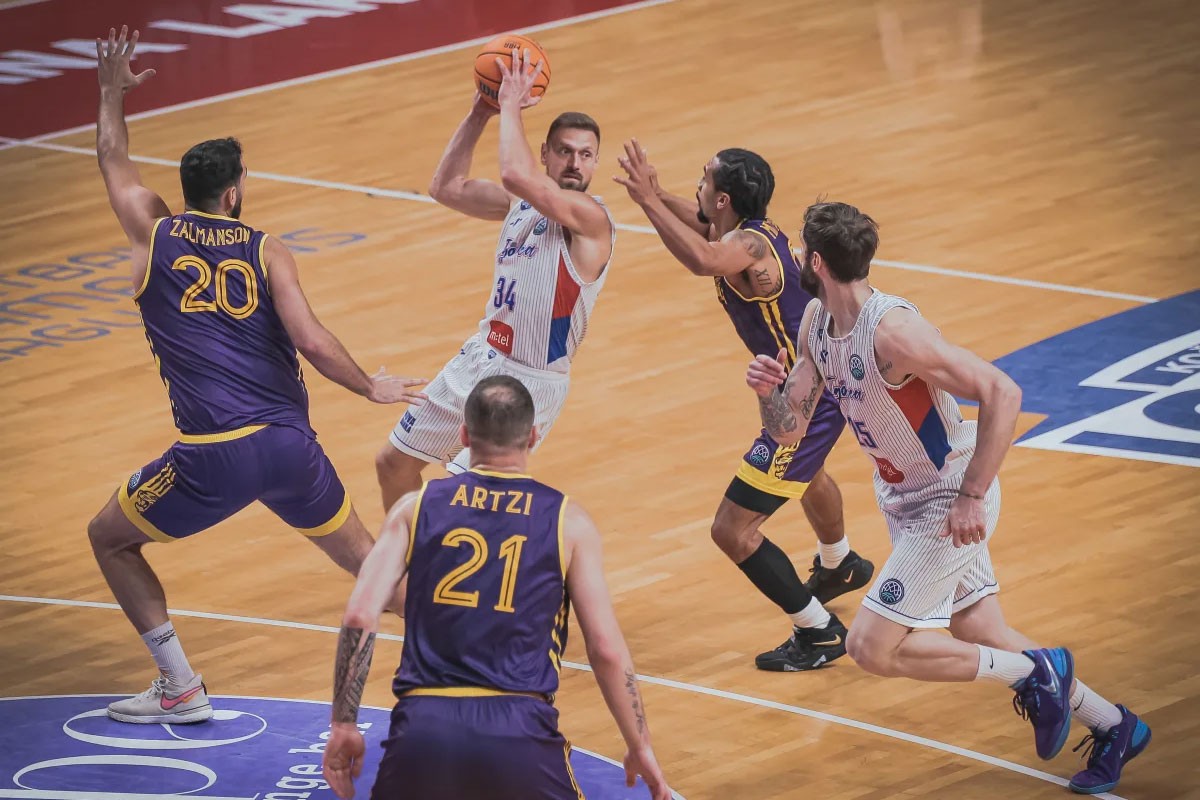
column 787, row 402
column 606, row 649
column 378, row 578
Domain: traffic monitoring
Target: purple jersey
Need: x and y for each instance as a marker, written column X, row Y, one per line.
column 768, row 324
column 487, row 602
column 220, row 347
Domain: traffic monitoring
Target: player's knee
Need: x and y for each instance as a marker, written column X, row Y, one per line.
column 867, row 654
column 732, row 539
column 104, row 537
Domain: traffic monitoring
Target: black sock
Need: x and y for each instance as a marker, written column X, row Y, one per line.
column 771, row 571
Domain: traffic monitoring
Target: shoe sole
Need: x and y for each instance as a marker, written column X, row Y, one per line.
column 1104, row 787
column 183, row 718
column 784, row 667
column 867, row 572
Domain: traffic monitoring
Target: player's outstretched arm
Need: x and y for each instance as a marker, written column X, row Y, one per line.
column 519, row 171
column 381, row 573
column 786, row 401
column 318, row 345
column 912, row 346
column 452, row 186
column 736, row 252
column 606, row 649
column 136, row 206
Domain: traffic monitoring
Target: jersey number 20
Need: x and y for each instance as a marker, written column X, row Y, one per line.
column 191, row 302
column 510, row 551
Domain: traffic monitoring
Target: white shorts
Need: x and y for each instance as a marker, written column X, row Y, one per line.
column 431, row 431
column 927, row 579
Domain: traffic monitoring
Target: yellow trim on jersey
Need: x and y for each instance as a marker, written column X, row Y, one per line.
column 571, row 772
column 492, row 474
column 412, row 529
column 211, row 216
column 562, row 554
column 149, row 259
column 141, row 523
column 770, row 484
column 224, row 436
column 777, row 312
column 338, row 519
column 262, row 259
column 779, row 342
column 468, row 691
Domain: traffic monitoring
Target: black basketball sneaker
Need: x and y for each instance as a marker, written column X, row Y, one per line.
column 808, row 648
column 853, row 573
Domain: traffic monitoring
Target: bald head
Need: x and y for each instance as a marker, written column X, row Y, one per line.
column 499, row 414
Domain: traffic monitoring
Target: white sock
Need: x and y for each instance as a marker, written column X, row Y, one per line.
column 1093, row 710
column 832, row 555
column 1003, row 666
column 812, row 615
column 168, row 654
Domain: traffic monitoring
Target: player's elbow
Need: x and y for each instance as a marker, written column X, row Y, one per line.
column 358, row 618
column 1005, row 392
column 514, row 180
column 439, row 190
column 604, row 651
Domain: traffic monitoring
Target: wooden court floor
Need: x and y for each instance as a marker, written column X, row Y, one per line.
column 1051, row 142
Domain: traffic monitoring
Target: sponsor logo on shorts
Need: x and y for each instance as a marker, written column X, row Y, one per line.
column 133, row 479
column 888, row 471
column 540, row 226
column 856, row 367
column 500, row 337
column 760, row 455
column 783, row 460
column 891, row 592
column 491, row 354
column 152, row 490
column 66, row 746
column 407, row 421
column 524, row 206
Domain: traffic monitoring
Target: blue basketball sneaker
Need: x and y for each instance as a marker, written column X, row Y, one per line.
column 1108, row 752
column 1044, row 698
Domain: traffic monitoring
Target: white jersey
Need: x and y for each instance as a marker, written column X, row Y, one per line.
column 539, row 309
column 914, row 432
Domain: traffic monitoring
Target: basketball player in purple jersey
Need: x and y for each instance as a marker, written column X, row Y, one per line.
column 224, row 314
column 936, row 483
column 725, row 233
column 494, row 560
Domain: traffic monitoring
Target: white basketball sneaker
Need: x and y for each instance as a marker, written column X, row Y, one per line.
column 164, row 702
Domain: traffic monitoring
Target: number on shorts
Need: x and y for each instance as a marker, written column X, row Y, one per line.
column 510, row 552
column 505, row 298
column 191, row 303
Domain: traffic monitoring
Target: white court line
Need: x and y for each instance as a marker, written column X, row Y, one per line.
column 383, row 62
column 667, row 682
column 20, row 3
column 396, row 194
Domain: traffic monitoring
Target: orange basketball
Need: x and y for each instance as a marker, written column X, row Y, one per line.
column 487, row 73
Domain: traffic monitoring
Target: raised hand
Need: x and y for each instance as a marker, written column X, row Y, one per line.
column 641, row 179
column 387, row 388
column 112, row 60
column 516, row 83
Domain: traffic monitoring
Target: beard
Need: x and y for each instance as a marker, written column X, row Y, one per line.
column 573, row 183
column 236, row 211
column 808, row 278
column 700, row 215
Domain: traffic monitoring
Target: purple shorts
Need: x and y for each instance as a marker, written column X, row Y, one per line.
column 202, row 480
column 483, row 748
column 775, row 473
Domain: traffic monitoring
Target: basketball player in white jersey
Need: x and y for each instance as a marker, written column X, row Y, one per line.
column 551, row 261
column 936, row 483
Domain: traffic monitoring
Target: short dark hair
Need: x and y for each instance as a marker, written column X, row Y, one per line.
column 208, row 169
column 747, row 178
column 499, row 413
column 576, row 120
column 845, row 237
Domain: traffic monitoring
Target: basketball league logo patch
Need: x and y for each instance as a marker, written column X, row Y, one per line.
column 891, row 592
column 856, row 367
column 760, row 456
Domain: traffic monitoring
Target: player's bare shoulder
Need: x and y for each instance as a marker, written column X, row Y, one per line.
column 762, row 276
